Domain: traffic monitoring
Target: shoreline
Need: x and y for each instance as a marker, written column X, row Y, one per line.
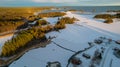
column 5, row 63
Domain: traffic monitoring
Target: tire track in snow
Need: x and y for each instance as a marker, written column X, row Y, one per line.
column 102, row 64
column 98, row 30
column 105, row 55
column 63, row 47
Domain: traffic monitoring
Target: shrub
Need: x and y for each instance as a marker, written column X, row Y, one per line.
column 67, row 20
column 117, row 15
column 41, row 22
column 51, row 14
column 108, row 21
column 61, row 23
column 47, row 28
column 104, row 16
column 59, row 26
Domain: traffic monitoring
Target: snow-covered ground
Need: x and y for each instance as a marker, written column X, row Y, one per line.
column 75, row 37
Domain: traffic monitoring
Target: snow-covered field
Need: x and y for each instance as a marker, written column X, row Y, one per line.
column 75, row 37
column 113, row 27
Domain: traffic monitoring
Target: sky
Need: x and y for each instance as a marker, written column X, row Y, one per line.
column 59, row 3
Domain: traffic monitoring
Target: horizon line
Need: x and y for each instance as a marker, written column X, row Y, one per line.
column 64, row 6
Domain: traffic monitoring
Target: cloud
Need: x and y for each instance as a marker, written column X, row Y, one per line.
column 59, row 2
column 8, row 0
column 55, row 1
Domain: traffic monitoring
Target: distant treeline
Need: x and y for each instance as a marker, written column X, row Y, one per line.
column 15, row 18
column 42, row 15
column 9, row 26
column 17, row 14
column 41, row 22
column 107, row 16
